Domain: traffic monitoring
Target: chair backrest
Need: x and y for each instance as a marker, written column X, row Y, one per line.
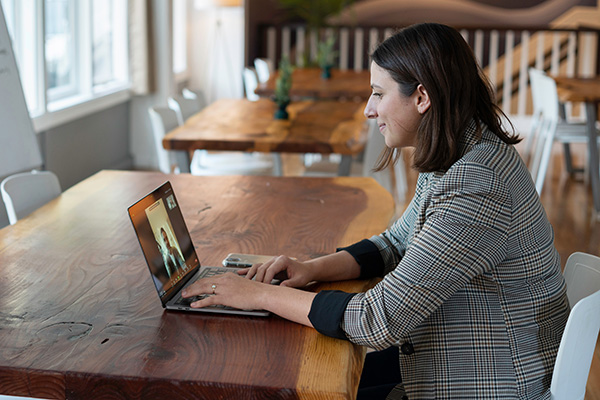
column 184, row 107
column 250, row 83
column 545, row 124
column 394, row 182
column 536, row 113
column 25, row 192
column 163, row 120
column 373, row 148
column 582, row 276
column 264, row 69
column 194, row 94
column 576, row 350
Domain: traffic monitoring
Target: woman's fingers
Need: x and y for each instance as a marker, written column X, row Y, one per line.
column 227, row 289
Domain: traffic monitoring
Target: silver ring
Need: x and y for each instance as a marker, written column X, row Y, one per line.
column 214, row 287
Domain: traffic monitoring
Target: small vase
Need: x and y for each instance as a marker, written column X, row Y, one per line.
column 281, row 112
column 326, row 72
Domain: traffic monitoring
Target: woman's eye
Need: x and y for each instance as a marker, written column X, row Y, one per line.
column 376, row 94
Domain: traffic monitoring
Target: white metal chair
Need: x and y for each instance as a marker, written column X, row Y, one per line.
column 548, row 127
column 264, row 68
column 163, row 120
column 184, row 107
column 25, row 192
column 250, row 83
column 574, row 357
column 393, row 180
column 232, row 163
column 194, row 94
column 582, row 276
column 203, row 163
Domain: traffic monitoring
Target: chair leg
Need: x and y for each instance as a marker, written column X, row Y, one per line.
column 400, row 178
column 544, row 160
column 569, row 160
column 182, row 160
column 278, row 164
column 344, row 167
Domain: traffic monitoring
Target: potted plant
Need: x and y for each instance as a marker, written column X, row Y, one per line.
column 314, row 12
column 326, row 56
column 283, row 84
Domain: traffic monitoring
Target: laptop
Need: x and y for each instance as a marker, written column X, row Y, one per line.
column 170, row 253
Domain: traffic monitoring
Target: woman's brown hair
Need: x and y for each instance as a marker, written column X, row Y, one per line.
column 438, row 57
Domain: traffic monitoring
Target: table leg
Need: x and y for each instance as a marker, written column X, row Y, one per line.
column 278, row 167
column 344, row 168
column 182, row 158
column 591, row 116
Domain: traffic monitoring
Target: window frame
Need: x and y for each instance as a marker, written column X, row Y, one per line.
column 76, row 45
column 51, row 108
column 180, row 25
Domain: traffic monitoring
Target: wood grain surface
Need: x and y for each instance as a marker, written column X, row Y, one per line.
column 242, row 125
column 578, row 89
column 307, row 82
column 80, row 318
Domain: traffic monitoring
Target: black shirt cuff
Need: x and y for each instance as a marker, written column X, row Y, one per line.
column 368, row 257
column 327, row 311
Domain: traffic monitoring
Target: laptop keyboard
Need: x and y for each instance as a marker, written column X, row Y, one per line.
column 204, row 273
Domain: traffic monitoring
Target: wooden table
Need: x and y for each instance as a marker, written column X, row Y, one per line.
column 80, row 318
column 586, row 90
column 324, row 127
column 307, row 82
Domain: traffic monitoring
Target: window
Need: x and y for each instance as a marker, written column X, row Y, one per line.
column 102, row 42
column 109, row 46
column 23, row 28
column 69, row 52
column 180, row 38
column 60, row 48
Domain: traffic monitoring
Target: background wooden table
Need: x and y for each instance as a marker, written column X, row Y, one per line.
column 586, row 90
column 307, row 82
column 324, row 127
column 80, row 317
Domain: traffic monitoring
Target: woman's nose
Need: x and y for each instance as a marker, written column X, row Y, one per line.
column 370, row 111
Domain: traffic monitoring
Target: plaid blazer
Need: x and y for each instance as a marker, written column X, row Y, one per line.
column 473, row 292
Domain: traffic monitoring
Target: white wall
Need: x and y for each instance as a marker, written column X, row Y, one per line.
column 141, row 142
column 217, row 51
column 80, row 148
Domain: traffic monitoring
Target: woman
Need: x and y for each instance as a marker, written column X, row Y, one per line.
column 472, row 291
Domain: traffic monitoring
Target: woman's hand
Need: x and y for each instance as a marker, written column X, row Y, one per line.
column 228, row 289
column 233, row 290
column 291, row 272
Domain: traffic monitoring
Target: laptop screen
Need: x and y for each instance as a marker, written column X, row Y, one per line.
column 164, row 239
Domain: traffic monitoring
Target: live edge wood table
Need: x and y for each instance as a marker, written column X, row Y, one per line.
column 324, row 127
column 80, row 318
column 307, row 82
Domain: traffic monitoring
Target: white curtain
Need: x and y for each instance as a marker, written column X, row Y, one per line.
column 141, row 57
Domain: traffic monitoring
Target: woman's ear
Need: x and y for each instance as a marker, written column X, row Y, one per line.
column 423, row 101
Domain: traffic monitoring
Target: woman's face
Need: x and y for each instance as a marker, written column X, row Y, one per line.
column 166, row 239
column 398, row 116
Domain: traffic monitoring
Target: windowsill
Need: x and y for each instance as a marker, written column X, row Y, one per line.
column 64, row 111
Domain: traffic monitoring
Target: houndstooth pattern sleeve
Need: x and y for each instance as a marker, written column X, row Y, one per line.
column 460, row 230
